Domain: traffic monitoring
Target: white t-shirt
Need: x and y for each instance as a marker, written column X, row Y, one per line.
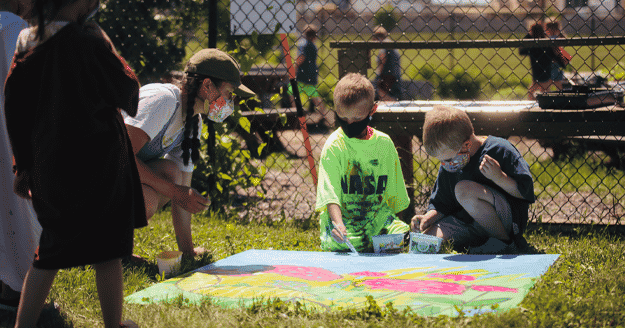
column 161, row 117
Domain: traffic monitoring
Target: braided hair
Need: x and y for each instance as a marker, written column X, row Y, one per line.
column 190, row 85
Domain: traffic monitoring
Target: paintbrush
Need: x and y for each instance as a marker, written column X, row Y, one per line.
column 345, row 239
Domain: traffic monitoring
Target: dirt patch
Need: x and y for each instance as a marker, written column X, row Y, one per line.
column 291, row 193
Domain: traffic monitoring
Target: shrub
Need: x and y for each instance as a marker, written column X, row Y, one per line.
column 459, row 84
column 386, row 17
column 232, row 166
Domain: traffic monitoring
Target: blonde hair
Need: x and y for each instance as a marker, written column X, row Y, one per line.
column 352, row 89
column 445, row 127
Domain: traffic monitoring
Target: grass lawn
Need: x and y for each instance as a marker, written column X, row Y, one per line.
column 585, row 286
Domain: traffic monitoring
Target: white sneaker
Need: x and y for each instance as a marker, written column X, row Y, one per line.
column 494, row 246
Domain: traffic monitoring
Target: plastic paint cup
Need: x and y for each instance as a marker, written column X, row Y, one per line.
column 424, row 244
column 388, row 243
column 168, row 262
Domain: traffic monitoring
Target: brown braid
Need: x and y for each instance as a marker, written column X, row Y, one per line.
column 190, row 86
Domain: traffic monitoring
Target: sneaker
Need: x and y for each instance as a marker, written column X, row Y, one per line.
column 494, row 246
column 128, row 324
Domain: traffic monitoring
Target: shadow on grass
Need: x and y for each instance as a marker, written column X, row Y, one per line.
column 51, row 317
column 187, row 265
column 576, row 230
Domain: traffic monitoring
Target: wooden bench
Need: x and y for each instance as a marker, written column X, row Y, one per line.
column 404, row 120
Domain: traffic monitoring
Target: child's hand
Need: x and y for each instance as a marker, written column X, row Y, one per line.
column 491, row 169
column 423, row 222
column 189, row 199
column 339, row 232
column 415, row 223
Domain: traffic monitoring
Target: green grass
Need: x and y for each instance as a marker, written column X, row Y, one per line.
column 585, row 287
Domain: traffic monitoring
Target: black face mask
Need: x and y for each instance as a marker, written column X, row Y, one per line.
column 355, row 129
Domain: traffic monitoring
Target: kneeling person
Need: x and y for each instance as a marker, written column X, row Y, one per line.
column 361, row 189
column 164, row 135
column 483, row 189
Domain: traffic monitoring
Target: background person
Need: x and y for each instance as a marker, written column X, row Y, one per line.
column 308, row 72
column 540, row 60
column 483, row 189
column 165, row 135
column 19, row 228
column 72, row 152
column 361, row 190
column 552, row 29
column 388, row 71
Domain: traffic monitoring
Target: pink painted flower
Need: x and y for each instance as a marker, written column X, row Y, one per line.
column 307, row 273
column 494, row 289
column 368, row 274
column 417, row 286
column 454, row 277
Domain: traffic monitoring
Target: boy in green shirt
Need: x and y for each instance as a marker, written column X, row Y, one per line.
column 361, row 189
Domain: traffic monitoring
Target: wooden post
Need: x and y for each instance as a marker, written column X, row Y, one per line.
column 403, row 143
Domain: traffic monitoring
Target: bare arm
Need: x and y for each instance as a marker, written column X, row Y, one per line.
column 299, row 61
column 182, row 221
column 492, row 170
column 381, row 63
column 339, row 230
column 425, row 221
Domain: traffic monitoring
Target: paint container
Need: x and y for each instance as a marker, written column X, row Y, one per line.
column 424, row 244
column 168, row 262
column 385, row 244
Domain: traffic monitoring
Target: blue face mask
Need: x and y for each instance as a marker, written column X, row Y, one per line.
column 355, row 129
column 458, row 162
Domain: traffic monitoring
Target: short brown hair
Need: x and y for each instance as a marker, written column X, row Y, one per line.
column 310, row 31
column 352, row 89
column 445, row 127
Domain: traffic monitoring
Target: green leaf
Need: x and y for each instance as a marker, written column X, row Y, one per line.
column 261, row 147
column 245, row 124
column 224, row 176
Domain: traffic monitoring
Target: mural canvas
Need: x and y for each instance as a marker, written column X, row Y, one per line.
column 430, row 284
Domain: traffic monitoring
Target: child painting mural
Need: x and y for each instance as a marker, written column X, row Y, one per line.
column 483, row 190
column 361, row 189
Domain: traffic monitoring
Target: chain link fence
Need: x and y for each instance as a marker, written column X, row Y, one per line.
column 457, row 52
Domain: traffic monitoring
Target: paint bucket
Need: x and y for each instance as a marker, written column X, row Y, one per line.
column 424, row 244
column 168, row 262
column 388, row 243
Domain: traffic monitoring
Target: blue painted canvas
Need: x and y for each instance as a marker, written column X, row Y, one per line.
column 430, row 284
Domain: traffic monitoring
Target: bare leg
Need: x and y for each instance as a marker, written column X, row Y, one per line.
column 559, row 85
column 181, row 219
column 532, row 89
column 478, row 201
column 110, row 284
column 34, row 292
column 167, row 170
column 436, row 231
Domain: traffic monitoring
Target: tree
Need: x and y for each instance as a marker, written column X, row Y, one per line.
column 151, row 34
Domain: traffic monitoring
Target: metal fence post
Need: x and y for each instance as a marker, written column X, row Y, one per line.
column 212, row 43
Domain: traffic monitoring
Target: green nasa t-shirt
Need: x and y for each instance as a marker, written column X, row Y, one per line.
column 364, row 178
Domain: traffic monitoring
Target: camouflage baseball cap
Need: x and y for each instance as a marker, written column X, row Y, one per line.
column 218, row 64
